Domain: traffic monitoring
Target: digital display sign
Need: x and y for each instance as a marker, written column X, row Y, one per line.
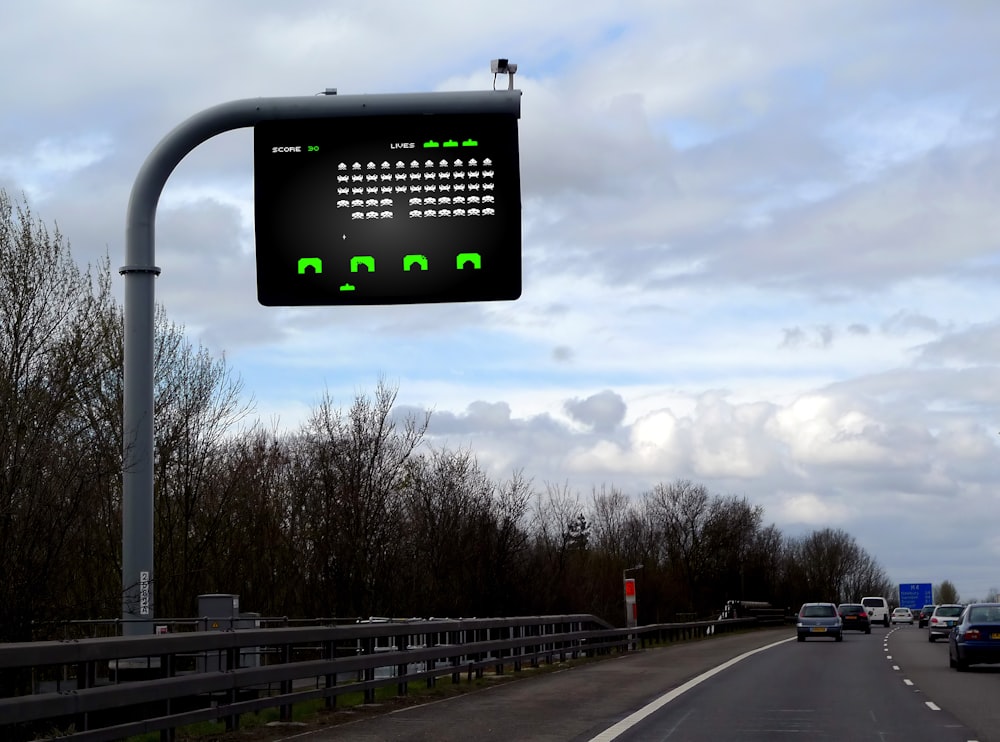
column 388, row 209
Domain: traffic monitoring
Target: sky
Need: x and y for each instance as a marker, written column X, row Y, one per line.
column 760, row 241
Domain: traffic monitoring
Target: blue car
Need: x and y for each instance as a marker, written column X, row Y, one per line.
column 817, row 620
column 975, row 639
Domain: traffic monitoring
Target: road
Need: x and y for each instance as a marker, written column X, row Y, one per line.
column 889, row 685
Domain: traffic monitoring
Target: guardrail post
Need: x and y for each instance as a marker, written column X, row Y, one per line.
column 330, row 653
column 285, row 710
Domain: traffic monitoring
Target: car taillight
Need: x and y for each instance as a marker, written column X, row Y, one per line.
column 863, row 614
column 934, row 620
column 971, row 635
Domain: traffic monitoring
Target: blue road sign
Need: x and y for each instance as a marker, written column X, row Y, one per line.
column 915, row 595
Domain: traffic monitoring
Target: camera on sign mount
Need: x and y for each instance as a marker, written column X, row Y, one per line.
column 502, row 67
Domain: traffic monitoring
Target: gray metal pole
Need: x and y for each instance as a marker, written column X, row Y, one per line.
column 140, row 272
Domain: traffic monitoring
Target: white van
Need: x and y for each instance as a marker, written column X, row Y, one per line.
column 878, row 610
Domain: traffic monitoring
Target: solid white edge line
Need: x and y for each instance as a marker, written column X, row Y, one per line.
column 653, row 706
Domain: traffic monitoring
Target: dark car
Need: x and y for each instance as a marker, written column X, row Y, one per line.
column 924, row 617
column 976, row 637
column 854, row 617
column 942, row 619
column 819, row 619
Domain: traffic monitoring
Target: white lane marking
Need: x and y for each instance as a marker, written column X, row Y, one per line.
column 895, row 667
column 907, row 682
column 932, row 706
column 652, row 707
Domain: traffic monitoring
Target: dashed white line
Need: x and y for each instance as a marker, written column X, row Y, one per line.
column 932, row 706
column 907, row 682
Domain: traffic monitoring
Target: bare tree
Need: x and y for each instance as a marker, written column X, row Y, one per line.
column 49, row 370
column 357, row 463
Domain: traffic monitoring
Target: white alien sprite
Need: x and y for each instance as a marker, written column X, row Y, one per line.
column 371, row 202
column 385, row 176
column 473, row 186
column 416, row 202
column 458, row 174
column 429, row 163
column 357, row 191
column 356, row 166
column 487, row 173
column 488, row 199
column 414, row 163
column 443, row 163
column 400, row 176
column 400, row 189
column 358, row 202
column 444, row 175
column 488, row 212
column 342, row 166
column 473, row 199
column 458, row 163
column 444, row 187
column 343, row 191
column 430, row 176
column 385, row 202
column 416, row 188
column 414, row 176
column 400, row 163
column 371, row 177
column 444, row 200
column 430, row 212
column 357, row 215
column 472, row 162
column 430, row 188
column 487, row 186
column 385, row 189
column 473, row 173
column 342, row 179
column 386, row 215
column 386, row 165
column 371, row 215
column 371, row 165
column 487, row 162
column 430, row 201
column 473, row 212
column 371, row 189
column 444, row 212
column 458, row 212
column 357, row 178
column 459, row 186
column 343, row 203
column 458, row 200
column 416, row 214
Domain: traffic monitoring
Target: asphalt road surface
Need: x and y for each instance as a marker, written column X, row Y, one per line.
column 888, row 685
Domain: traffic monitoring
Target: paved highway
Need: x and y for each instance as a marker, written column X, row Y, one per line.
column 888, row 685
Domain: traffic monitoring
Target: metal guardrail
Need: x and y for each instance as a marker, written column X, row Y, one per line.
column 111, row 688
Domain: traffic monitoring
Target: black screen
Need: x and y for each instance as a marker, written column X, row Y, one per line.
column 395, row 209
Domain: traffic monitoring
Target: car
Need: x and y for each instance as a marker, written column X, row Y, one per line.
column 942, row 619
column 925, row 615
column 878, row 609
column 975, row 639
column 854, row 617
column 819, row 620
column 902, row 615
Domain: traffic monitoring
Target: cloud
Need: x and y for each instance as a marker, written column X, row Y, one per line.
column 602, row 412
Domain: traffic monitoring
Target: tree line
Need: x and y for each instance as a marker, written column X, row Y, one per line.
column 352, row 514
